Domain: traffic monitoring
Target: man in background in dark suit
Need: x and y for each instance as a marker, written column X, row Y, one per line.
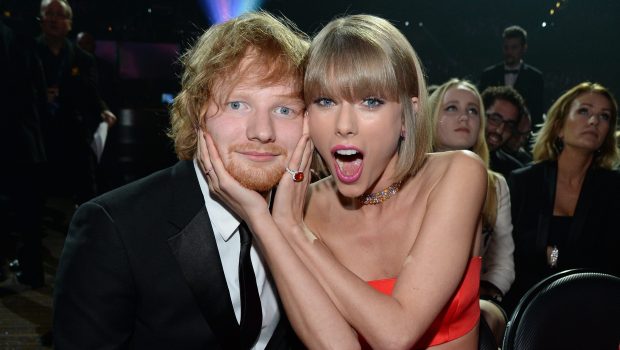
column 73, row 107
column 162, row 264
column 524, row 78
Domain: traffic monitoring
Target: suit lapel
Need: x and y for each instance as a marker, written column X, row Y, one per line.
column 550, row 176
column 585, row 201
column 196, row 252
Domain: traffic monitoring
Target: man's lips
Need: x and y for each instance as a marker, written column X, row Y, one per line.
column 259, row 156
column 494, row 138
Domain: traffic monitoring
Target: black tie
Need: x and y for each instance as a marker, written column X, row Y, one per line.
column 511, row 71
column 251, row 311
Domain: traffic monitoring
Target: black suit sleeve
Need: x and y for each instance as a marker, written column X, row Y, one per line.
column 94, row 298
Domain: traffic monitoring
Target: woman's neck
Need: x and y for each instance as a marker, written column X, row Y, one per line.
column 573, row 165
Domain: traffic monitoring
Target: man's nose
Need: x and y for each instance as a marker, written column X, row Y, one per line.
column 260, row 127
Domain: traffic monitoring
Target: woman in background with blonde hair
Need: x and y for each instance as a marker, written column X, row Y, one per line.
column 565, row 206
column 459, row 120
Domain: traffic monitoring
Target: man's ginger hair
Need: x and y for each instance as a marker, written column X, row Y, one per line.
column 276, row 50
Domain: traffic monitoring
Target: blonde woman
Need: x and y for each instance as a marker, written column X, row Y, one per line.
column 458, row 117
column 565, row 206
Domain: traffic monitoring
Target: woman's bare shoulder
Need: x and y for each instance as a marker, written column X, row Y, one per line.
column 460, row 163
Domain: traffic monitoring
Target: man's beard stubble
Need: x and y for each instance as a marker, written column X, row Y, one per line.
column 260, row 179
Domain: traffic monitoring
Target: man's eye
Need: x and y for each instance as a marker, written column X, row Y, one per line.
column 285, row 111
column 234, row 105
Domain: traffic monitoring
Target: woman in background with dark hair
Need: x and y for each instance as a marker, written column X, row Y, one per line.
column 565, row 206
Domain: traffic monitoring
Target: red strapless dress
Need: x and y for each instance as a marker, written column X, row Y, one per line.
column 457, row 318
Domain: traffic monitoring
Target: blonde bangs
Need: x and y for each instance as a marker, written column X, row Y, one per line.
column 350, row 68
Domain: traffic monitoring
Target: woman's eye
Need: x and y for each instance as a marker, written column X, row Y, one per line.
column 372, row 102
column 583, row 111
column 473, row 111
column 604, row 116
column 324, row 101
column 451, row 108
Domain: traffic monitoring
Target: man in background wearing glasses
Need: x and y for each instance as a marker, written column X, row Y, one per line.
column 504, row 109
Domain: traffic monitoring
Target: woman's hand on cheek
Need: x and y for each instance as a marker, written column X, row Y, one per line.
column 244, row 202
column 288, row 208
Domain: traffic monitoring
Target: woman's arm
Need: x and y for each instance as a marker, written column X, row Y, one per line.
column 498, row 259
column 314, row 317
column 431, row 273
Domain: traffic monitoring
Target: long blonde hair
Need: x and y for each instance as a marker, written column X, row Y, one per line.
column 489, row 211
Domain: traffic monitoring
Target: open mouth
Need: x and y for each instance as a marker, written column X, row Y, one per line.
column 349, row 163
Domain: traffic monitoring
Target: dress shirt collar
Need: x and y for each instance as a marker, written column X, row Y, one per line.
column 224, row 221
column 517, row 67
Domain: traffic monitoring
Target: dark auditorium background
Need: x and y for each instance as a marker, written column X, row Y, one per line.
column 569, row 40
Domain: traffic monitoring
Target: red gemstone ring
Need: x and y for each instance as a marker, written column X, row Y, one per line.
column 298, row 176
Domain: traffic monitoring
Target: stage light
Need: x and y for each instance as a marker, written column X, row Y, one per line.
column 218, row 11
column 544, row 24
column 551, row 12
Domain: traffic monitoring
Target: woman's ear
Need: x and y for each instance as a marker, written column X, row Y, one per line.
column 415, row 104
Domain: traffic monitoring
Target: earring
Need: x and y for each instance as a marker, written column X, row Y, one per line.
column 558, row 144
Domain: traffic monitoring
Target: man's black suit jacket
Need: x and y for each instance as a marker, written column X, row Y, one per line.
column 594, row 237
column 80, row 103
column 140, row 270
column 529, row 84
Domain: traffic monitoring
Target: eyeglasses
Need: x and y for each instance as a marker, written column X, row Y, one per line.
column 498, row 120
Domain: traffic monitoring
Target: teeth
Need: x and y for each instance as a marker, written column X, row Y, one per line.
column 346, row 152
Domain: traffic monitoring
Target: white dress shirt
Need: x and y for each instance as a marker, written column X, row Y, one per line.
column 497, row 258
column 226, row 230
column 511, row 78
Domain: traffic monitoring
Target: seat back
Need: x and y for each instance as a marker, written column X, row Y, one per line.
column 573, row 309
